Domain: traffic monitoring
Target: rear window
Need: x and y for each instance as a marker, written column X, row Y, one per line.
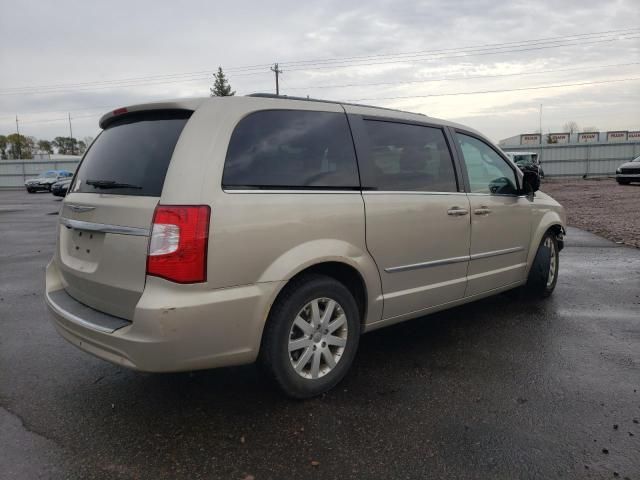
column 291, row 149
column 131, row 156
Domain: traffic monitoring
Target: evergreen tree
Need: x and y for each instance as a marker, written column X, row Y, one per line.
column 221, row 87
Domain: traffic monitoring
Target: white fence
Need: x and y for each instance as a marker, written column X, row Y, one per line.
column 576, row 160
column 13, row 173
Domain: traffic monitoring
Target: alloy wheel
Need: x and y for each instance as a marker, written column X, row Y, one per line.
column 317, row 338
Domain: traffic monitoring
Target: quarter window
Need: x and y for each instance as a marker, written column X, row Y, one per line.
column 407, row 157
column 488, row 172
column 291, row 149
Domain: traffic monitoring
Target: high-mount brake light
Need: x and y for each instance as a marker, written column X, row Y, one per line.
column 178, row 243
column 120, row 111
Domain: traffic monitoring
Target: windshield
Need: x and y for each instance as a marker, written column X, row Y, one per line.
column 51, row 174
column 131, row 156
column 637, row 159
column 525, row 159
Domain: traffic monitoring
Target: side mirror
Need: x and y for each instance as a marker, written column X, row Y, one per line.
column 530, row 180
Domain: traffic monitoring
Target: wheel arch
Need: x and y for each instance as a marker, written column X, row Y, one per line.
column 344, row 272
column 550, row 222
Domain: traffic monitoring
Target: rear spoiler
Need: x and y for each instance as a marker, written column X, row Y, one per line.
column 190, row 104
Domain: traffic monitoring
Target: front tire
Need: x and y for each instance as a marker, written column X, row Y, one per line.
column 623, row 182
column 311, row 336
column 543, row 275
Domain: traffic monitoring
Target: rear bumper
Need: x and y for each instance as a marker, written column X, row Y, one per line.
column 172, row 330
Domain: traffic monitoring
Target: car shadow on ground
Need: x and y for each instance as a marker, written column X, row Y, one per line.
column 426, row 344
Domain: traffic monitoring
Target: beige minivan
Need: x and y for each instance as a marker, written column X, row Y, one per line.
column 210, row 232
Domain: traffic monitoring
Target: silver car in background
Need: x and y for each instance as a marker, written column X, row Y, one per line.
column 628, row 172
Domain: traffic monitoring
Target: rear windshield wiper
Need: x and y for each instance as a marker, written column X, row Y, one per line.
column 110, row 184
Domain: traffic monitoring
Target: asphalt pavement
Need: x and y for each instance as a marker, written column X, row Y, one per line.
column 500, row 388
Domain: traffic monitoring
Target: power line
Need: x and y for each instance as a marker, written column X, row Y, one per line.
column 468, row 77
column 472, row 47
column 324, row 60
column 463, row 55
column 541, row 87
column 119, row 85
column 182, row 80
column 53, row 120
column 337, row 62
column 412, row 82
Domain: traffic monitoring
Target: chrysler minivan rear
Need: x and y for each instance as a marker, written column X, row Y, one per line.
column 128, row 258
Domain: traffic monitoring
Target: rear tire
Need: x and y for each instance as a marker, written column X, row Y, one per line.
column 543, row 275
column 311, row 336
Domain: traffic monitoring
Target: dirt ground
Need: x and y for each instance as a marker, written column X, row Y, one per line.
column 600, row 206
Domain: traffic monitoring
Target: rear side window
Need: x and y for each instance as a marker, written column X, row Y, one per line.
column 291, row 149
column 407, row 157
column 131, row 156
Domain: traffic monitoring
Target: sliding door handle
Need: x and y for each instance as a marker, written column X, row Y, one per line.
column 457, row 211
column 482, row 211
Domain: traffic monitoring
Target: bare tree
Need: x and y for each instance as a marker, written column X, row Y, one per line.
column 571, row 127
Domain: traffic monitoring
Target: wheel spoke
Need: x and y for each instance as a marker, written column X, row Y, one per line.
column 328, row 312
column 328, row 358
column 303, row 325
column 315, row 364
column 299, row 343
column 315, row 314
column 303, row 360
column 337, row 341
column 337, row 323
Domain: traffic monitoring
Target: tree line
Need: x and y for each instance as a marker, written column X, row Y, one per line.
column 17, row 146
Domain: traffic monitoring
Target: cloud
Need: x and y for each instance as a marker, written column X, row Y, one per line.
column 74, row 42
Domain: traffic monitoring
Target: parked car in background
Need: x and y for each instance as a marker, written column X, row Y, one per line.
column 628, row 172
column 59, row 189
column 45, row 180
column 528, row 160
column 202, row 233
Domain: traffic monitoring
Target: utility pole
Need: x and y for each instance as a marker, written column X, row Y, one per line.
column 18, row 144
column 71, row 135
column 540, row 123
column 540, row 154
column 277, row 71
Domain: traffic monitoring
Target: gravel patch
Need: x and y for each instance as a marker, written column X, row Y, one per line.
column 600, row 206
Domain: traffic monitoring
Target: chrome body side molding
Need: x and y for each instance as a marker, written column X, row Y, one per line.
column 448, row 261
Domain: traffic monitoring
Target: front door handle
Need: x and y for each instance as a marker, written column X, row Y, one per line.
column 482, row 211
column 457, row 211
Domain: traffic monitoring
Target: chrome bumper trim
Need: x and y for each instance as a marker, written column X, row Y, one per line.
column 103, row 228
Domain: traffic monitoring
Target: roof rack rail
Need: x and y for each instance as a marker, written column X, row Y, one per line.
column 307, row 99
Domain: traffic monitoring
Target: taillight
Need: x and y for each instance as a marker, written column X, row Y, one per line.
column 178, row 244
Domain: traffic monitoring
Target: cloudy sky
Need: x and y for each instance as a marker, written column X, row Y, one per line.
column 433, row 57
